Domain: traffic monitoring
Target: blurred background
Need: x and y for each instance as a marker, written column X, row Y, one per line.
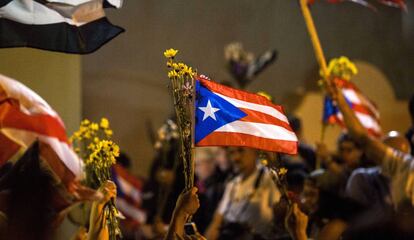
column 126, row 81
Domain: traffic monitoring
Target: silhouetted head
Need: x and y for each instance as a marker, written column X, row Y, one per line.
column 397, row 141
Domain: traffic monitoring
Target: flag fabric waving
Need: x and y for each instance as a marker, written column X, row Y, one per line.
column 365, row 109
column 24, row 118
column 70, row 26
column 129, row 196
column 229, row 117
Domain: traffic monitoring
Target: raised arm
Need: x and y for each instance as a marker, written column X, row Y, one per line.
column 98, row 228
column 187, row 204
column 374, row 148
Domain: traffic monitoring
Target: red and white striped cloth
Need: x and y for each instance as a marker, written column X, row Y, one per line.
column 262, row 124
column 24, row 118
column 365, row 110
column 129, row 196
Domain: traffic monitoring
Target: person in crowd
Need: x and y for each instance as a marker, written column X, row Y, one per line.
column 210, row 184
column 410, row 133
column 370, row 187
column 306, row 157
column 329, row 213
column 30, row 206
column 340, row 165
column 396, row 165
column 186, row 206
column 224, row 169
column 246, row 209
column 165, row 181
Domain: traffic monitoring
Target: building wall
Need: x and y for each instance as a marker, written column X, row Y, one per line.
column 56, row 77
column 126, row 79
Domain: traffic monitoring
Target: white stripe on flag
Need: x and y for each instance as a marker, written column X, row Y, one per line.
column 351, row 96
column 63, row 150
column 256, row 107
column 366, row 120
column 360, row 99
column 131, row 211
column 129, row 189
column 30, row 102
column 259, row 130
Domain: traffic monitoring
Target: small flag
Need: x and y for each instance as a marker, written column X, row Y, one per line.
column 129, row 196
column 230, row 117
column 365, row 109
column 24, row 118
column 70, row 26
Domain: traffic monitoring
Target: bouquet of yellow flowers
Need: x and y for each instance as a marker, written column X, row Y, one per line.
column 92, row 143
column 182, row 84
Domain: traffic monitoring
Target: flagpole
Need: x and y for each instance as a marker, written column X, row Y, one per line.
column 320, row 57
column 193, row 109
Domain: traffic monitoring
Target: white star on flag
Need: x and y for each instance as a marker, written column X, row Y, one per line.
column 209, row 111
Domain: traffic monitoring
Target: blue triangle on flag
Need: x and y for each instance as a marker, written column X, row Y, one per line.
column 220, row 109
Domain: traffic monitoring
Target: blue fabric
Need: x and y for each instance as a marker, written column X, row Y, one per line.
column 228, row 113
column 330, row 109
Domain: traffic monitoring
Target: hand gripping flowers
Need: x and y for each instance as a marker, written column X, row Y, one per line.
column 92, row 143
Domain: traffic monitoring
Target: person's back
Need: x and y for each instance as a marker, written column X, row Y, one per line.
column 27, row 199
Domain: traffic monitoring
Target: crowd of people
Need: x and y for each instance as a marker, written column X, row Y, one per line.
column 363, row 190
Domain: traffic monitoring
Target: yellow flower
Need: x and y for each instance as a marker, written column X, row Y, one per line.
column 170, row 53
column 175, row 66
column 104, row 123
column 115, row 150
column 94, row 127
column 103, row 154
column 108, row 132
column 172, row 74
column 85, row 122
column 282, row 171
column 342, row 67
column 190, row 71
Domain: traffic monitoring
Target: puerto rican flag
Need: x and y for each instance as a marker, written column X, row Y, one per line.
column 364, row 109
column 229, row 117
column 24, row 118
column 70, row 26
column 129, row 196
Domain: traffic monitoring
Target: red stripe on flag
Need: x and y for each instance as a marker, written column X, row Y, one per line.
column 242, row 140
column 7, row 149
column 363, row 109
column 12, row 117
column 259, row 117
column 238, row 94
column 123, row 173
column 333, row 119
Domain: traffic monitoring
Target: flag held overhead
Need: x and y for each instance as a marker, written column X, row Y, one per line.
column 230, row 117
